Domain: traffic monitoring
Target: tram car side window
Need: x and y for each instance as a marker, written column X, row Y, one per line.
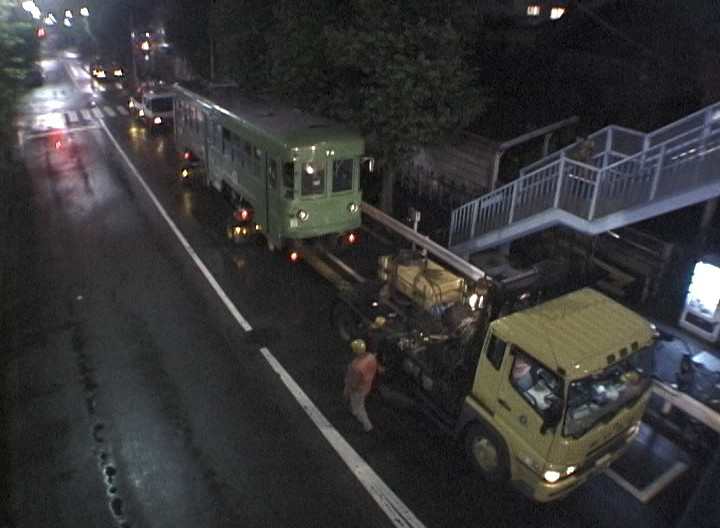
column 272, row 173
column 289, row 180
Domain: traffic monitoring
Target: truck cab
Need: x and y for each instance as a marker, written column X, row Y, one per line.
column 558, row 393
column 153, row 106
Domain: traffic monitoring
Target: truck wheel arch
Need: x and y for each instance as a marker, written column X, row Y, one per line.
column 347, row 320
column 487, row 451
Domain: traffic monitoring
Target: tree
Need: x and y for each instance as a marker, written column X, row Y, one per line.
column 404, row 81
column 187, row 27
column 395, row 70
column 18, row 50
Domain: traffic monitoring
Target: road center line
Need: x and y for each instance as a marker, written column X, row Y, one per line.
column 397, row 512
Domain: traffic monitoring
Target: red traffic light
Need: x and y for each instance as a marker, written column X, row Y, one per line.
column 243, row 214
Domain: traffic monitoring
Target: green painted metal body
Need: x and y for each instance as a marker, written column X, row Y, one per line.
column 263, row 152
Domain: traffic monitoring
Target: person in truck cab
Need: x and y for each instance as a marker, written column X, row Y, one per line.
column 522, row 378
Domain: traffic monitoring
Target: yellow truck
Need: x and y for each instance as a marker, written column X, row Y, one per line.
column 542, row 395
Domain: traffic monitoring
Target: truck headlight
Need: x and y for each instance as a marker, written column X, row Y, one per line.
column 303, row 215
column 553, row 476
column 157, row 120
column 352, row 207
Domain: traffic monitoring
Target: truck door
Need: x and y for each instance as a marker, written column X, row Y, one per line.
column 487, row 375
column 525, row 395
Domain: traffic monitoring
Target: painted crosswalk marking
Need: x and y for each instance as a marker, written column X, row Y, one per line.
column 77, row 116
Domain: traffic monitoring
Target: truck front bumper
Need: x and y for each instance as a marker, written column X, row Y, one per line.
column 535, row 487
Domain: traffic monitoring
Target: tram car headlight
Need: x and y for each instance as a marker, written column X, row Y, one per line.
column 352, row 207
column 303, row 215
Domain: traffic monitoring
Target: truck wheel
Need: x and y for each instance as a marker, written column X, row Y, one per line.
column 347, row 322
column 487, row 452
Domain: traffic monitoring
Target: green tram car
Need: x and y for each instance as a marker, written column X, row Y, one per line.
column 299, row 173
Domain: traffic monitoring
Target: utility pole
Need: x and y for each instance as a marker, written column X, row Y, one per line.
column 132, row 43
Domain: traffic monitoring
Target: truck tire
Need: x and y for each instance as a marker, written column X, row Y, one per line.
column 347, row 322
column 487, row 453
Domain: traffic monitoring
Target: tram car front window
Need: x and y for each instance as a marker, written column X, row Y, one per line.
column 313, row 178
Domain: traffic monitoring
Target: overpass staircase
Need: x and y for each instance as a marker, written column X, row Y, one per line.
column 619, row 177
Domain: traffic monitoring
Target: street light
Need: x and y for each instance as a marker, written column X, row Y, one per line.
column 84, row 11
column 68, row 14
column 31, row 8
column 67, row 23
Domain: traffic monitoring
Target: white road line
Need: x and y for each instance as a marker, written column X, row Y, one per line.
column 398, row 513
column 183, row 241
column 86, row 115
column 122, row 110
column 98, row 113
column 72, row 116
column 109, row 111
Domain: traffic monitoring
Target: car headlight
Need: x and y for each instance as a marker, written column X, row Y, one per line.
column 157, row 120
column 352, row 207
column 141, row 113
column 131, row 104
column 553, row 476
column 100, row 74
column 303, row 215
column 118, row 73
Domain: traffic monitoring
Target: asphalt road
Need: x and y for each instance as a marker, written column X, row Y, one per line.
column 134, row 397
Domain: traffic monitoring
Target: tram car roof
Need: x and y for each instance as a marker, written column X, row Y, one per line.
column 289, row 125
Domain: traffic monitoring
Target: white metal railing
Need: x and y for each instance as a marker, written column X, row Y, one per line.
column 687, row 404
column 625, row 169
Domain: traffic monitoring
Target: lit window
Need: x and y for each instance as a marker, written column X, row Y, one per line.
column 556, row 12
column 533, row 10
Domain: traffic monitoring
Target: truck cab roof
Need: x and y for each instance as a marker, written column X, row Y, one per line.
column 578, row 334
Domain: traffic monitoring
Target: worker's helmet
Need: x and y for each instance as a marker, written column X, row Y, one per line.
column 379, row 321
column 358, row 346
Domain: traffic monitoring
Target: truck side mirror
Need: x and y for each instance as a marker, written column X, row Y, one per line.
column 552, row 417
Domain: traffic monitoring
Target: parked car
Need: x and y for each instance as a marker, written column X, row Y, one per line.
column 107, row 70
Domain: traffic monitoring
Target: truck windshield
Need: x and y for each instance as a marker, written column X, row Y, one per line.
column 161, row 104
column 599, row 397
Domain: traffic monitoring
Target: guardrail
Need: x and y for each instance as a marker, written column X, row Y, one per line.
column 441, row 253
column 688, row 405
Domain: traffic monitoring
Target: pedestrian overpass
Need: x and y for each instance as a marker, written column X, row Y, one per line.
column 625, row 177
